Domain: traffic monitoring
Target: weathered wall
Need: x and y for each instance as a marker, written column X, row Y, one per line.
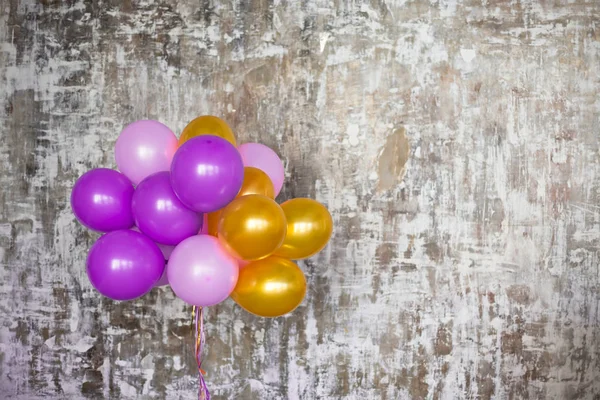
column 476, row 276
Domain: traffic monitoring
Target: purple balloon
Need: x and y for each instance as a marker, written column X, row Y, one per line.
column 101, row 200
column 160, row 215
column 144, row 148
column 207, row 173
column 124, row 265
column 264, row 158
column 201, row 272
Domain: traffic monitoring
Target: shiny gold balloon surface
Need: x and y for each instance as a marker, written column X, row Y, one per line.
column 270, row 287
column 255, row 182
column 309, row 227
column 207, row 125
column 252, row 227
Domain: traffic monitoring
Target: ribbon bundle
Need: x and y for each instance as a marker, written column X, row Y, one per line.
column 198, row 315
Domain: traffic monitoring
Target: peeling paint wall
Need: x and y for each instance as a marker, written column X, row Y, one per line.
column 456, row 143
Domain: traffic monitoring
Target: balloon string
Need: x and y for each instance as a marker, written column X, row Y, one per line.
column 198, row 314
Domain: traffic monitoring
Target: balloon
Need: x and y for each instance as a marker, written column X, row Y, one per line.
column 262, row 157
column 144, row 148
column 159, row 214
column 270, row 287
column 201, row 272
column 124, row 265
column 255, row 182
column 309, row 227
column 101, row 200
column 207, row 173
column 252, row 227
column 207, row 125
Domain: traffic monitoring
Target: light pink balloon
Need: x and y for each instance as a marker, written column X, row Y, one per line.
column 201, row 272
column 143, row 148
column 262, row 157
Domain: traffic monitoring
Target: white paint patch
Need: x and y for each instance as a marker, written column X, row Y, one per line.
column 353, row 131
column 468, row 55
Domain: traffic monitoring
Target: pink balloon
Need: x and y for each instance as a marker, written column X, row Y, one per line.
column 143, row 148
column 201, row 272
column 262, row 157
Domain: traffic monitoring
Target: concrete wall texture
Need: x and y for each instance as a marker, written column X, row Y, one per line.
column 456, row 143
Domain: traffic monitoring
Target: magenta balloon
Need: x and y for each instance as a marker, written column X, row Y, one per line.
column 201, row 272
column 207, row 173
column 159, row 214
column 262, row 157
column 144, row 148
column 124, row 265
column 101, row 200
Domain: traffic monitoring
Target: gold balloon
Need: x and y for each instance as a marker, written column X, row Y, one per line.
column 207, row 125
column 309, row 227
column 270, row 287
column 255, row 182
column 252, row 227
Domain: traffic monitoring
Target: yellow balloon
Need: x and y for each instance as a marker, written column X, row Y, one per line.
column 252, row 227
column 309, row 227
column 270, row 287
column 255, row 182
column 207, row 125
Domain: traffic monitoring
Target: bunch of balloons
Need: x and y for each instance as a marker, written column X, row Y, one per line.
column 198, row 213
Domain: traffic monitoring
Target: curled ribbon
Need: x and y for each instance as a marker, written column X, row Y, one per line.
column 198, row 315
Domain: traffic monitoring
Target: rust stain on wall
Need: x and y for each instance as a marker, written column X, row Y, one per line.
column 463, row 265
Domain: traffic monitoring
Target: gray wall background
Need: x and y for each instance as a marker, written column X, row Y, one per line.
column 454, row 141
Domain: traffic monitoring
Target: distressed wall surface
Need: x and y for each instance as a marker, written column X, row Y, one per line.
column 456, row 143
